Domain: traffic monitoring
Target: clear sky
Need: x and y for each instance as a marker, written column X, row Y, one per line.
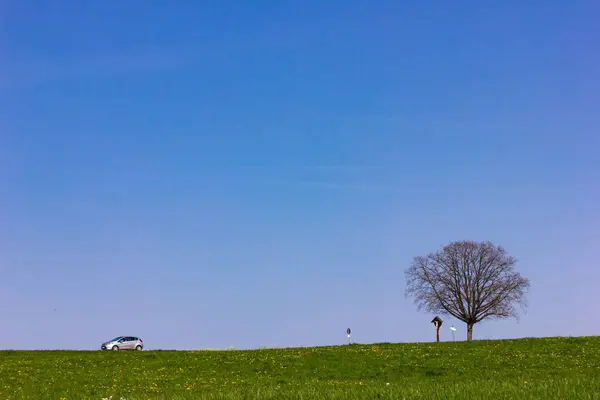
column 260, row 173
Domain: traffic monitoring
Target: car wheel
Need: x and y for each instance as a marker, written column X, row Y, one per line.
column 115, row 348
column 138, row 347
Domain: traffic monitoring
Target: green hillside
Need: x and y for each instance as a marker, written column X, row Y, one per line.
column 547, row 368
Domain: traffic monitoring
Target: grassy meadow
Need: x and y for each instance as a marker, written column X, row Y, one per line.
column 547, row 368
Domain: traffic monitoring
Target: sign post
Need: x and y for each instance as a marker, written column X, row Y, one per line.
column 348, row 332
column 437, row 322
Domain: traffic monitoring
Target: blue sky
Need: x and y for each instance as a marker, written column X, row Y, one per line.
column 214, row 174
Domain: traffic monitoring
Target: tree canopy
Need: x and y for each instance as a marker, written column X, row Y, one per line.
column 468, row 280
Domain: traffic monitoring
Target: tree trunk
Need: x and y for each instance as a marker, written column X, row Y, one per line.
column 469, row 332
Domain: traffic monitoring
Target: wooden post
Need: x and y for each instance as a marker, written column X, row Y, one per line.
column 437, row 322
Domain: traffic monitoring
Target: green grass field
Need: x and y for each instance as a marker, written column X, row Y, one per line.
column 549, row 368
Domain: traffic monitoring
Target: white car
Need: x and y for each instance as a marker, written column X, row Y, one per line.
column 123, row 343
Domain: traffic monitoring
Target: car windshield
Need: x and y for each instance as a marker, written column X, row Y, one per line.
column 117, row 338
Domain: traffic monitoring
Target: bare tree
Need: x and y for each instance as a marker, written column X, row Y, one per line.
column 469, row 280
